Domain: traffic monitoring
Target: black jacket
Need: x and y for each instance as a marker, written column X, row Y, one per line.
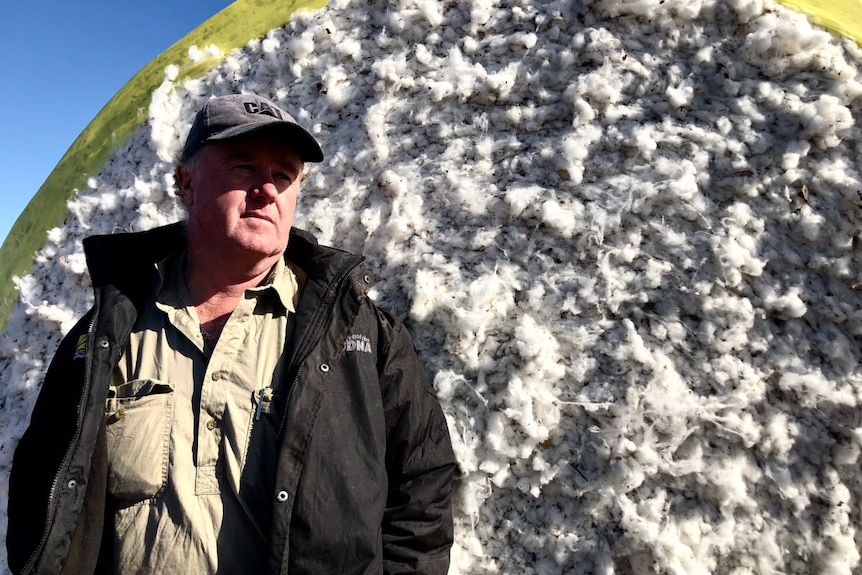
column 363, row 479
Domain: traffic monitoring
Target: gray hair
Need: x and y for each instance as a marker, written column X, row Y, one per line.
column 188, row 165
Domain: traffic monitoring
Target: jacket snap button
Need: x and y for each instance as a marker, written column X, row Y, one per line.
column 216, row 376
column 211, row 424
column 324, row 367
column 103, row 343
column 72, row 484
column 120, row 414
column 282, row 496
column 367, row 279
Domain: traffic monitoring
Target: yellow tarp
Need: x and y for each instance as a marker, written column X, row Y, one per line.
column 840, row 16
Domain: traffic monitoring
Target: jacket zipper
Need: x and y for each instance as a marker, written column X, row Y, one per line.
column 315, row 333
column 316, row 330
column 64, row 464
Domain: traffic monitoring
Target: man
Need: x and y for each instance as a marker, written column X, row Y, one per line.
column 233, row 402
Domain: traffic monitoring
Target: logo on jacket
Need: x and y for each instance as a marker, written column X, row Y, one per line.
column 81, row 348
column 358, row 342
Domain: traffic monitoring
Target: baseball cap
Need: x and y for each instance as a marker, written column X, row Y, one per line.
column 229, row 116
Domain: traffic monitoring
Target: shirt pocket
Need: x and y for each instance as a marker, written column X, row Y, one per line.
column 138, row 423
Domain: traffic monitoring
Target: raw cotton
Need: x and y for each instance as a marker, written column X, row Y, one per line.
column 625, row 235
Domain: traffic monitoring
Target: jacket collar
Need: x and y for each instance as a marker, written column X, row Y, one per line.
column 127, row 261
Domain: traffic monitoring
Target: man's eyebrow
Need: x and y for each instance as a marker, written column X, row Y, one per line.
column 240, row 156
column 285, row 160
column 293, row 162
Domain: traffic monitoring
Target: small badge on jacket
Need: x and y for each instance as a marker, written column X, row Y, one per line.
column 81, row 348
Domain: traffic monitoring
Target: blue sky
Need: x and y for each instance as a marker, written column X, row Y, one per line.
column 64, row 61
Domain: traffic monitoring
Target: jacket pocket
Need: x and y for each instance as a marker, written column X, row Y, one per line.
column 138, row 424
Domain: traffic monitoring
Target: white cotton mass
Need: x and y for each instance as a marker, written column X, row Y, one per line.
column 624, row 234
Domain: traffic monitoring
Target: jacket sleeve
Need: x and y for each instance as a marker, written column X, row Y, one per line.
column 38, row 459
column 417, row 524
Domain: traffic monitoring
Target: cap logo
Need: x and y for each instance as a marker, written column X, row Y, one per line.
column 262, row 108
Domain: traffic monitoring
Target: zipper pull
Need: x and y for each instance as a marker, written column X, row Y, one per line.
column 259, row 405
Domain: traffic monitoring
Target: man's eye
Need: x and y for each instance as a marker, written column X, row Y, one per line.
column 284, row 176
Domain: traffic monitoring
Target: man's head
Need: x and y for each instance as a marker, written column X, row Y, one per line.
column 239, row 176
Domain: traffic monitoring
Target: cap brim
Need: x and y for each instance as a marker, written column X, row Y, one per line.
column 307, row 146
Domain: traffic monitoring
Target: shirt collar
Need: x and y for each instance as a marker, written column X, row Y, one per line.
column 285, row 280
column 282, row 280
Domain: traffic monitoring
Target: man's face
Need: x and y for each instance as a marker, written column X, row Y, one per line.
column 241, row 196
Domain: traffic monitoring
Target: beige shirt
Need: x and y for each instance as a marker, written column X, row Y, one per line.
column 191, row 436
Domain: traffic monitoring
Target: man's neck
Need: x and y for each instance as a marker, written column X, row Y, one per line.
column 216, row 286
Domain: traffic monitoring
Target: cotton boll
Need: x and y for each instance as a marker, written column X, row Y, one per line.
column 519, row 402
column 496, row 435
column 839, row 552
column 430, row 10
column 600, row 87
column 430, row 290
column 735, row 253
column 574, row 150
column 270, row 45
column 680, row 96
column 172, row 72
column 739, row 214
column 788, row 305
column 498, row 85
column 301, row 46
column 484, row 149
column 470, row 45
column 528, row 40
column 109, row 201
column 825, row 119
column 732, row 479
column 338, row 91
column 809, row 389
column 77, row 263
column 195, row 54
column 350, row 48
column 533, row 341
column 56, row 235
column 685, row 186
column 371, row 219
column 644, row 140
column 519, row 198
column 562, row 218
column 728, row 321
column 810, row 222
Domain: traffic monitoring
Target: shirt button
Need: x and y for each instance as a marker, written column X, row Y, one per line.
column 211, row 424
column 282, row 496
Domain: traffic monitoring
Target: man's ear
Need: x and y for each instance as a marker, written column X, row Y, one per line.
column 183, row 180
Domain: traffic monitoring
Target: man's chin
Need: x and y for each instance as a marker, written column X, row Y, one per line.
column 259, row 246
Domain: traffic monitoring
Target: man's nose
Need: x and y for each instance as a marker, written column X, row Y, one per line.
column 266, row 189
